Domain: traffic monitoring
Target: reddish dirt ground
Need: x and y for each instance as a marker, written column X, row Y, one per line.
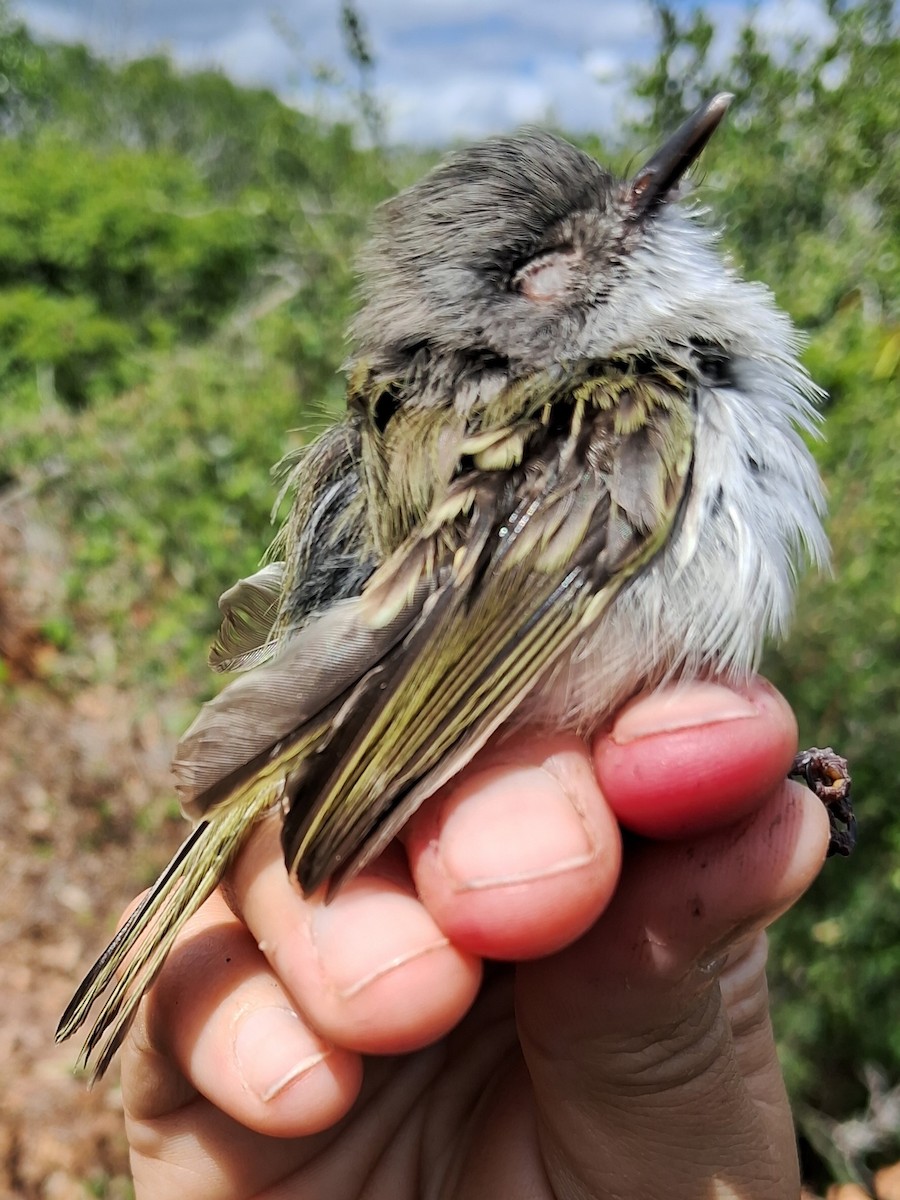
column 77, row 767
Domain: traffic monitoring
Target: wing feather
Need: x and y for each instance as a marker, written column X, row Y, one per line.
column 379, row 700
column 250, row 718
column 514, row 600
column 249, row 609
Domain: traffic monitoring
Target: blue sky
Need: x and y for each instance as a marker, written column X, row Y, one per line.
column 445, row 68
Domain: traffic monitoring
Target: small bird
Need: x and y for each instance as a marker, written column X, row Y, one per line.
column 571, row 469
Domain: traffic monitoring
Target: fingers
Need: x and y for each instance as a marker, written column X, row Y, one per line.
column 219, row 1056
column 267, row 1015
column 521, row 855
column 221, row 1014
column 516, row 859
column 680, row 762
column 745, row 998
column 370, row 970
column 673, row 1050
column 681, row 908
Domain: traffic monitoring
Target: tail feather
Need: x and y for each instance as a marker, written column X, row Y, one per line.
column 138, row 951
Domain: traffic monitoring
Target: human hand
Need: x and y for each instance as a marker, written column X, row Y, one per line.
column 622, row 1047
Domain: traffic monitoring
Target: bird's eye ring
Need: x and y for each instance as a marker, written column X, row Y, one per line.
column 550, row 275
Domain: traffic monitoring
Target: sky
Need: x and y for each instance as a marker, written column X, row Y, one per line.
column 445, row 69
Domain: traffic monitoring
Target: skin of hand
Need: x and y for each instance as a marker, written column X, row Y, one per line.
column 621, row 1046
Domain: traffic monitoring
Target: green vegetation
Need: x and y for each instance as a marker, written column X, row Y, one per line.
column 175, row 280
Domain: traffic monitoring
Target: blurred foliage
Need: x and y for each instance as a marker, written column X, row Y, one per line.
column 102, row 252
column 175, row 282
column 175, row 279
column 141, row 204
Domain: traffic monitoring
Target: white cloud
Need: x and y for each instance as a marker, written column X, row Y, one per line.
column 727, row 19
column 780, row 23
column 253, row 53
column 797, row 20
column 834, row 73
column 603, row 65
column 53, row 21
column 445, row 69
column 462, row 106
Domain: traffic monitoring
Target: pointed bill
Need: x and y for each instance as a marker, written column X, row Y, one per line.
column 660, row 174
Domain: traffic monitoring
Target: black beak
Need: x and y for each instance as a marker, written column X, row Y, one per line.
column 652, row 184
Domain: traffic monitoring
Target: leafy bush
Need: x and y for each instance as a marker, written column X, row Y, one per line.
column 102, row 252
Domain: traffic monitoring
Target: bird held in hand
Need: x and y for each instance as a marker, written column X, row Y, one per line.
column 571, row 469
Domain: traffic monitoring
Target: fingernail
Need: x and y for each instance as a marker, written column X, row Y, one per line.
column 680, row 708
column 537, row 830
column 272, row 1050
column 352, row 963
